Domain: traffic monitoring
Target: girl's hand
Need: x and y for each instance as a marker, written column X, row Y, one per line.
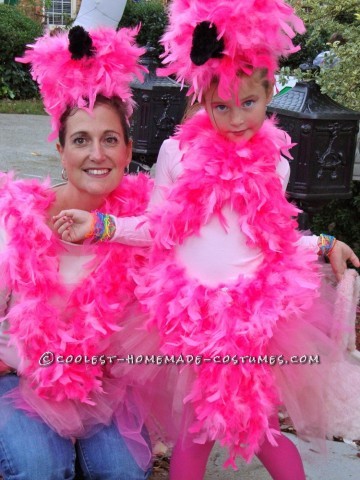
column 4, row 368
column 339, row 255
column 73, row 225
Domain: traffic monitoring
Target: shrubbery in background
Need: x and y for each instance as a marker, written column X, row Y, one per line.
column 16, row 30
column 322, row 19
column 341, row 218
column 342, row 83
column 153, row 18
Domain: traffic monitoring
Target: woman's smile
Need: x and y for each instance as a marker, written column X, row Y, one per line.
column 97, row 172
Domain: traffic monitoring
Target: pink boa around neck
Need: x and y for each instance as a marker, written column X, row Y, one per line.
column 231, row 403
column 39, row 321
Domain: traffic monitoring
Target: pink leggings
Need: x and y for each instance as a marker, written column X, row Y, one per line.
column 282, row 462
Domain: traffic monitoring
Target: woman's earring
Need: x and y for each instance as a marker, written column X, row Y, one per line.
column 64, row 175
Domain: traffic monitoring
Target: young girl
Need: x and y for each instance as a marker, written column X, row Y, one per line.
column 229, row 278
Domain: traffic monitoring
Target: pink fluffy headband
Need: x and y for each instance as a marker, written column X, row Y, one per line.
column 209, row 39
column 73, row 67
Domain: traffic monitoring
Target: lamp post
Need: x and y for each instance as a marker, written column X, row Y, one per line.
column 160, row 107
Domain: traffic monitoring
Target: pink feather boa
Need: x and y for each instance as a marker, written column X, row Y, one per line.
column 39, row 320
column 231, row 403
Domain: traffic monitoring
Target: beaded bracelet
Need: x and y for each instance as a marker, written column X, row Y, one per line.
column 90, row 233
column 326, row 244
column 102, row 227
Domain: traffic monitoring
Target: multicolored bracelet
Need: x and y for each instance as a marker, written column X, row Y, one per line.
column 102, row 228
column 326, row 244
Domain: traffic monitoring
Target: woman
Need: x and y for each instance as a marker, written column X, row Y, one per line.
column 63, row 305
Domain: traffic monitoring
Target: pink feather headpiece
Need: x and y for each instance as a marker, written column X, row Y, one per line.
column 73, row 69
column 209, row 39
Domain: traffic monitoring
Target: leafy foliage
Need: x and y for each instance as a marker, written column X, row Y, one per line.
column 153, row 18
column 16, row 82
column 341, row 219
column 310, row 47
column 16, row 30
column 341, row 82
column 322, row 19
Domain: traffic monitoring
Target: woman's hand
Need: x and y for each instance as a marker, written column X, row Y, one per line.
column 339, row 255
column 73, row 225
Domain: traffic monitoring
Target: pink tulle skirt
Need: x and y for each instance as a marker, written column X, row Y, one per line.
column 309, row 374
column 135, row 402
column 318, row 396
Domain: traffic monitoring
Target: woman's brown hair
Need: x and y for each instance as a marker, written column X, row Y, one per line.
column 114, row 102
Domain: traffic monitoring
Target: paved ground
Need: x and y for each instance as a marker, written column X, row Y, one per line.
column 341, row 462
column 23, row 147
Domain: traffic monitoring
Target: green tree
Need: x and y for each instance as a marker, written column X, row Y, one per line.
column 340, row 218
column 152, row 16
column 16, row 30
column 322, row 19
column 342, row 83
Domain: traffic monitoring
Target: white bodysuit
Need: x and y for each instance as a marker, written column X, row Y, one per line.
column 217, row 255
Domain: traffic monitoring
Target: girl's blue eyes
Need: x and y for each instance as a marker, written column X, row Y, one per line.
column 248, row 103
column 221, row 108
column 225, row 108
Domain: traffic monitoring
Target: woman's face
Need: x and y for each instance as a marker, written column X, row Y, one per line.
column 95, row 153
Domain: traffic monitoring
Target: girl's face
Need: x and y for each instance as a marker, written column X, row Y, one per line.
column 240, row 117
column 95, row 153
